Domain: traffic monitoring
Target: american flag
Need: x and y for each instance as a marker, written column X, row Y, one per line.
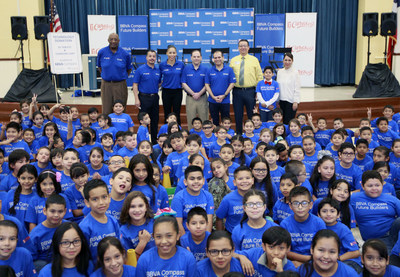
column 55, row 24
column 393, row 47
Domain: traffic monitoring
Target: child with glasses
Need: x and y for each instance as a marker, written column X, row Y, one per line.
column 302, row 225
column 345, row 169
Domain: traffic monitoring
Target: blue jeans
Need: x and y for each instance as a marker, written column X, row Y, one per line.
column 265, row 116
column 216, row 109
column 243, row 97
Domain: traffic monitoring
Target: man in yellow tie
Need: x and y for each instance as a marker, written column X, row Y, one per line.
column 248, row 73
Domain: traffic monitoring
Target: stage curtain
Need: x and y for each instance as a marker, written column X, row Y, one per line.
column 336, row 25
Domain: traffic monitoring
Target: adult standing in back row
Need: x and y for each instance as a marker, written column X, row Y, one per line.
column 248, row 73
column 289, row 85
column 171, row 71
column 115, row 65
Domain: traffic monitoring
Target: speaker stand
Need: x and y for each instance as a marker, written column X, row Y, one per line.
column 45, row 53
column 385, row 52
column 369, row 52
column 22, row 53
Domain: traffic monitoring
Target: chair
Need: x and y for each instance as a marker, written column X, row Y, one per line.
column 159, row 53
column 256, row 51
column 225, row 52
column 137, row 56
column 188, row 51
column 279, row 58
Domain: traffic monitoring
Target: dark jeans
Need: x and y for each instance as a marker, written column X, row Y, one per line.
column 149, row 104
column 216, row 109
column 266, row 116
column 243, row 97
column 391, row 237
column 172, row 101
column 288, row 112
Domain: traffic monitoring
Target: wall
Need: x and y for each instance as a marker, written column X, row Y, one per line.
column 33, row 49
column 377, row 43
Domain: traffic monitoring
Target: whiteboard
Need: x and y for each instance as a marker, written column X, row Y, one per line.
column 65, row 53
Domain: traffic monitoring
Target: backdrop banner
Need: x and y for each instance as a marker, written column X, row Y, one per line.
column 99, row 28
column 301, row 36
column 133, row 34
column 269, row 32
column 201, row 28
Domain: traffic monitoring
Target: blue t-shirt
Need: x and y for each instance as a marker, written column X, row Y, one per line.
column 128, row 271
column 76, row 201
column 198, row 250
column 302, row 233
column 22, row 263
column 126, row 153
column 281, row 210
column 311, row 160
column 66, row 182
column 121, row 122
column 246, row 237
column 219, row 81
column 171, row 75
column 21, row 207
column 292, row 140
column 62, row 128
column 382, row 211
column 9, row 182
column 173, row 161
column 194, row 78
column 214, row 149
column 387, row 138
column 114, row 66
column 142, row 134
column 41, row 237
column 231, row 208
column 130, row 235
column 351, row 175
column 394, row 160
column 103, row 171
column 38, row 131
column 95, row 231
column 15, row 145
column 323, row 137
column 147, row 79
column 183, row 202
column 151, row 196
column 342, row 270
column 206, row 142
column 362, row 163
column 276, row 175
column 352, row 216
column 396, row 248
column 204, row 268
column 182, row 264
column 67, row 272
column 110, row 130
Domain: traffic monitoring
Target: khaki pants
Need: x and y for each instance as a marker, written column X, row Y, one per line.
column 196, row 108
column 111, row 91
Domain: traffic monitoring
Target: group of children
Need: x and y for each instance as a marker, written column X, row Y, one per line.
column 78, row 191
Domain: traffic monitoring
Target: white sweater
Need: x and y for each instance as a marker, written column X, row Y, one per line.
column 289, row 85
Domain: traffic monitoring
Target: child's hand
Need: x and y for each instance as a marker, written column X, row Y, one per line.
column 145, row 236
column 271, row 107
column 309, row 117
column 247, row 266
column 166, row 169
column 3, row 126
column 96, row 176
column 15, row 110
column 369, row 112
column 34, row 97
column 278, row 264
column 80, row 189
column 70, row 118
column 6, row 142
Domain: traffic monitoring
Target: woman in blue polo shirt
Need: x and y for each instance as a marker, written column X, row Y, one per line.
column 171, row 71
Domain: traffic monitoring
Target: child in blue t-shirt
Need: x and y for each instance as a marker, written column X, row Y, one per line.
column 295, row 133
column 42, row 160
column 384, row 170
column 105, row 125
column 329, row 212
column 166, row 258
column 372, row 205
column 208, row 137
column 384, row 134
column 80, row 176
column 362, row 158
column 37, row 126
column 281, row 209
column 70, row 156
column 271, row 155
column 337, row 139
column 143, row 130
column 173, row 159
column 171, row 117
column 197, row 126
column 220, row 133
column 13, row 142
column 302, row 225
column 64, row 123
column 42, row 235
column 322, row 177
column 248, row 233
column 120, row 120
column 137, row 223
column 97, row 168
column 267, row 94
column 196, row 238
column 192, row 196
column 107, row 143
column 226, row 122
column 249, row 132
column 16, row 160
column 388, row 112
column 227, row 153
column 345, row 169
column 231, row 207
column 97, row 224
column 18, row 258
column 395, row 154
column 129, row 150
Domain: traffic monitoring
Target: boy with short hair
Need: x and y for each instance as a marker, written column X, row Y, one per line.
column 281, row 208
column 220, row 133
column 267, row 94
column 322, row 134
column 277, row 116
column 42, row 235
column 383, row 133
column 64, row 123
column 345, row 169
column 129, row 150
column 157, row 148
column 271, row 155
column 119, row 141
column 93, row 114
column 361, row 154
column 388, row 112
column 197, row 126
column 338, row 124
column 377, row 213
column 171, row 117
column 302, row 225
column 196, row 238
column 69, row 157
column 192, row 196
column 208, row 137
column 143, row 131
column 272, row 257
column 13, row 142
column 299, row 170
column 337, row 139
column 248, row 148
column 173, row 159
column 226, row 122
column 366, row 133
column 16, row 160
column 97, row 224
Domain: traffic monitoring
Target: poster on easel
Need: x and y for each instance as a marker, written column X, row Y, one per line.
column 65, row 53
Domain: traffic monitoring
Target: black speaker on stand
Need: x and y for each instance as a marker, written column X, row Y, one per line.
column 19, row 31
column 370, row 28
column 388, row 28
column 42, row 28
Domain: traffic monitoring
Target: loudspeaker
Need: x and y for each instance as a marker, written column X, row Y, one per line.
column 42, row 27
column 19, row 30
column 370, row 24
column 388, row 24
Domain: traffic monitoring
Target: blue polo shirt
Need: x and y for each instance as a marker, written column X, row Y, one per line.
column 171, row 75
column 148, row 79
column 194, row 78
column 114, row 66
column 219, row 81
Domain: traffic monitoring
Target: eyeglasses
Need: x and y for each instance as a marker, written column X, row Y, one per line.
column 302, row 174
column 298, row 204
column 207, row 127
column 348, row 154
column 67, row 244
column 224, row 252
column 254, row 205
column 116, row 163
column 260, row 170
